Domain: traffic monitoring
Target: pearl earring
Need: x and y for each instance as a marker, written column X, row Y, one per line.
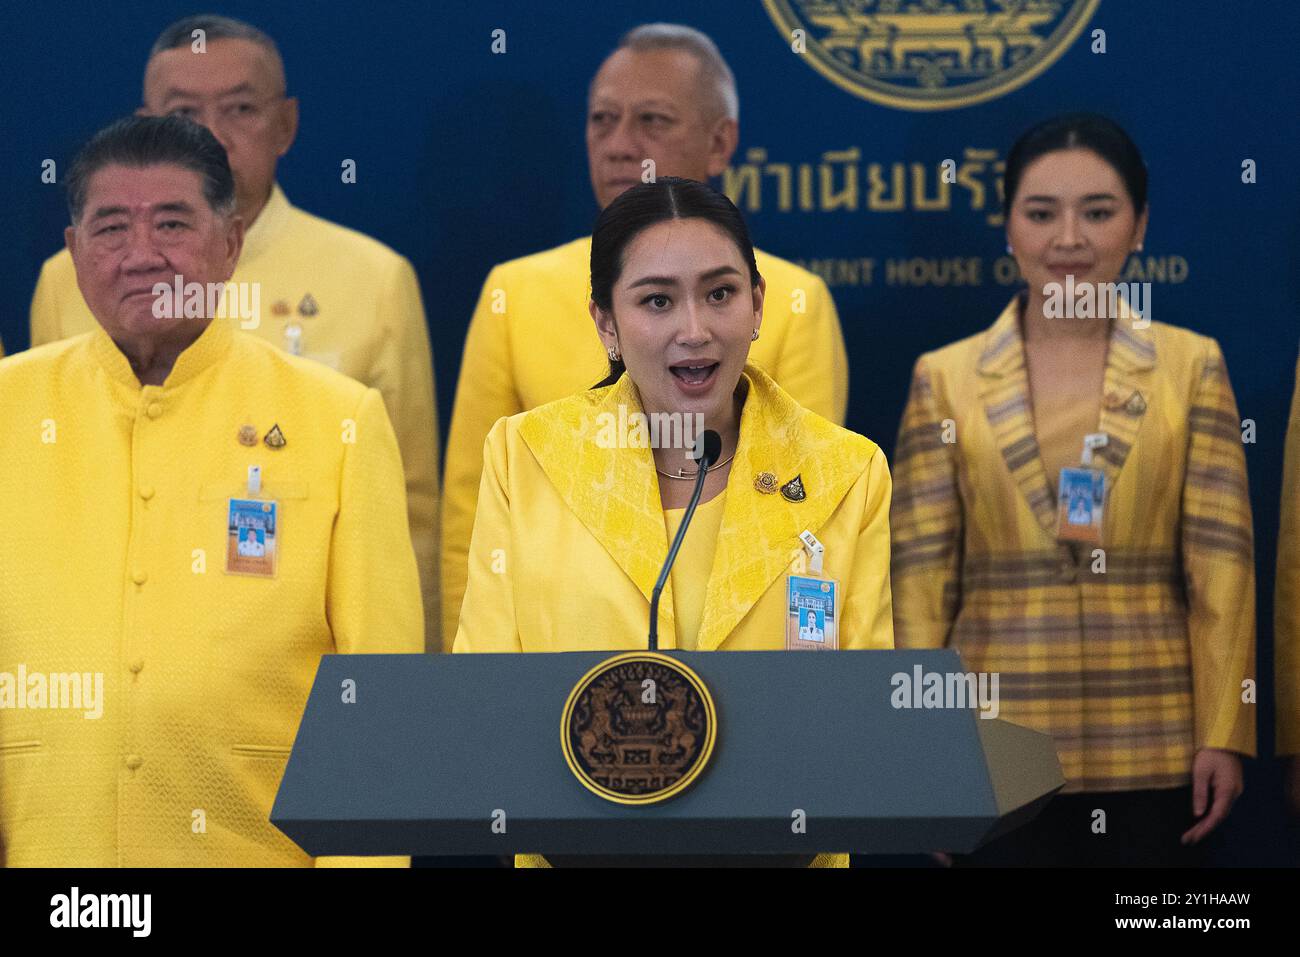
column 754, row 337
column 612, row 353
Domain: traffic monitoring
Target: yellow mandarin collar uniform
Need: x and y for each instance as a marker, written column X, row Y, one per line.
column 531, row 341
column 114, row 501
column 356, row 305
column 1132, row 656
column 570, row 535
column 1286, row 611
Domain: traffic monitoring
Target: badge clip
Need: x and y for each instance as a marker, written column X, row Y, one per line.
column 1092, row 442
column 255, row 480
column 816, row 551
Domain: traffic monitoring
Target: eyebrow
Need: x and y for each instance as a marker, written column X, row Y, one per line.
column 671, row 281
column 106, row 211
column 638, row 105
column 175, row 93
column 176, row 206
column 1052, row 199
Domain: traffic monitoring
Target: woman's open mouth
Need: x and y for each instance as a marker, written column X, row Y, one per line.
column 694, row 376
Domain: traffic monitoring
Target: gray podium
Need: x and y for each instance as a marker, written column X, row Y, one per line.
column 438, row 747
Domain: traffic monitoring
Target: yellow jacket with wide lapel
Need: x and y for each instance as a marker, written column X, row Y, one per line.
column 531, row 342
column 1132, row 656
column 1286, row 607
column 570, row 535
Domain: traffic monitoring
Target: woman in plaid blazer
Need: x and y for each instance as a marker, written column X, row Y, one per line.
column 1130, row 642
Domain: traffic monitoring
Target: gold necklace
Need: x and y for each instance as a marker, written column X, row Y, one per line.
column 690, row 475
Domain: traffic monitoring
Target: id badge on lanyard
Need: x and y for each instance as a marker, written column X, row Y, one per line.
column 1081, row 498
column 812, row 605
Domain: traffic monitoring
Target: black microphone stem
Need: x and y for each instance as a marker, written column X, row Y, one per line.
column 705, row 464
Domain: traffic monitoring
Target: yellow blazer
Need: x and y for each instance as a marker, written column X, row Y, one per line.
column 114, row 505
column 356, row 306
column 531, row 341
column 1134, row 664
column 1286, row 607
column 569, row 536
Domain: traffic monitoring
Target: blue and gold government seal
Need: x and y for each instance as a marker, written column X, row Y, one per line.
column 931, row 54
column 638, row 728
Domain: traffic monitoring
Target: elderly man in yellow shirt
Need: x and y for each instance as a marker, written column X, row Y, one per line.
column 152, row 671
column 326, row 292
column 665, row 96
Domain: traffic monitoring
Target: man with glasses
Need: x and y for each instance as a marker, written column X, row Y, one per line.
column 325, row 292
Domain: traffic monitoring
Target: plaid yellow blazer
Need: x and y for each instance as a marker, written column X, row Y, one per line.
column 1132, row 657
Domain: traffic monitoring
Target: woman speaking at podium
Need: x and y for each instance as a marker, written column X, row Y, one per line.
column 580, row 497
column 1072, row 513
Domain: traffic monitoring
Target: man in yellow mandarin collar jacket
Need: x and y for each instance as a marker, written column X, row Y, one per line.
column 667, row 94
column 327, row 293
column 1132, row 656
column 188, row 664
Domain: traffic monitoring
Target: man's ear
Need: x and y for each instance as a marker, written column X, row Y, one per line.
column 234, row 243
column 70, row 240
column 288, row 120
column 722, row 144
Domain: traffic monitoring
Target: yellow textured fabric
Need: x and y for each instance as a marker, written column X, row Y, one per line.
column 690, row 574
column 570, row 532
column 114, row 503
column 1133, row 664
column 532, row 341
column 1059, row 427
column 368, row 324
column 1286, row 609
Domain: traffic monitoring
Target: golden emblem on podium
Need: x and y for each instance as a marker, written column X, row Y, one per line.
column 930, row 54
column 638, row 728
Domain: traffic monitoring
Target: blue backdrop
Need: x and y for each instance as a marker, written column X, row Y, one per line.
column 466, row 158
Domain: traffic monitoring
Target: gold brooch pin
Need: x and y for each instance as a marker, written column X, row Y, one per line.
column 1135, row 405
column 765, row 482
column 280, row 308
column 247, row 435
column 275, row 438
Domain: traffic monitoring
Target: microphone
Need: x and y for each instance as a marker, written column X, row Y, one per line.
column 708, row 449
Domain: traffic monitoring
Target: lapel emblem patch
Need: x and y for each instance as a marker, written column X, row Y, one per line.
column 793, row 491
column 275, row 438
column 308, row 306
column 1135, row 405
